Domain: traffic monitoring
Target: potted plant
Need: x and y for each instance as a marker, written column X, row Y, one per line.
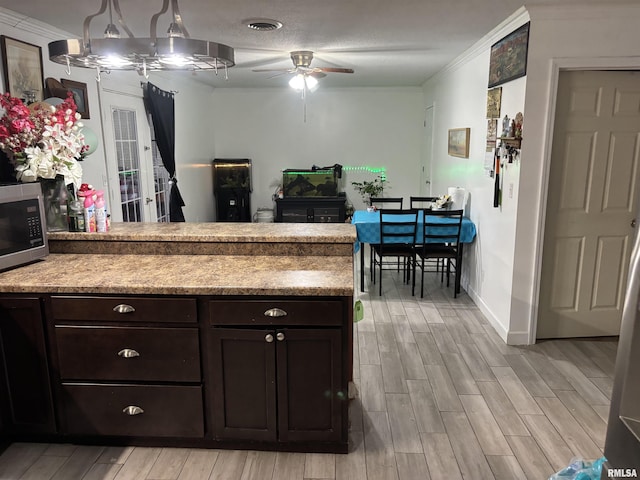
column 370, row 189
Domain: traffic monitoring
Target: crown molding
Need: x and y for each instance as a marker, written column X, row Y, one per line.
column 511, row 23
column 31, row 25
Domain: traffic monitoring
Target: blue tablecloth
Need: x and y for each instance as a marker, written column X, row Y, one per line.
column 368, row 227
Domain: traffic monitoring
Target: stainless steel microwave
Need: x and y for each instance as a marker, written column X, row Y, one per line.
column 23, row 229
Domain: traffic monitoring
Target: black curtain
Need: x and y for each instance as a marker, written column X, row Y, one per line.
column 161, row 106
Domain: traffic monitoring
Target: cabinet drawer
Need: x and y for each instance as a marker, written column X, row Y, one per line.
column 128, row 353
column 285, row 312
column 166, row 411
column 125, row 309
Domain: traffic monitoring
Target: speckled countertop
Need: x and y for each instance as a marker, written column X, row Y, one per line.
column 221, row 232
column 183, row 275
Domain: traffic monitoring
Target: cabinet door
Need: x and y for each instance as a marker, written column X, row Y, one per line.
column 28, row 405
column 312, row 398
column 244, row 384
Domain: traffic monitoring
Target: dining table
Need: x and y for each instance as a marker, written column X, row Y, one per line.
column 367, row 225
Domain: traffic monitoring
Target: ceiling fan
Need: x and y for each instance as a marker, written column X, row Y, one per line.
column 305, row 76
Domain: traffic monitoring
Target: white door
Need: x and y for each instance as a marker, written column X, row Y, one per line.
column 425, row 173
column 592, row 200
column 129, row 157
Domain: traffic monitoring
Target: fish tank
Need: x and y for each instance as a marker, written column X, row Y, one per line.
column 298, row 183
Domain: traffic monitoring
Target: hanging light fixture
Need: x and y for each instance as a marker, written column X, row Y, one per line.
column 303, row 81
column 177, row 51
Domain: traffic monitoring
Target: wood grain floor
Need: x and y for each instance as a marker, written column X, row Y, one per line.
column 439, row 396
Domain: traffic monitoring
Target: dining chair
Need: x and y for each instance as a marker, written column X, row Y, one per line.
column 385, row 202
column 440, row 240
column 397, row 239
column 419, row 202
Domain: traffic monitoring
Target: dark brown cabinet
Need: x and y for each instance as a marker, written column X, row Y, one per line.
column 278, row 384
column 26, row 402
column 128, row 366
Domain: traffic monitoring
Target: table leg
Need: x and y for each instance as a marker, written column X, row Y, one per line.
column 361, row 267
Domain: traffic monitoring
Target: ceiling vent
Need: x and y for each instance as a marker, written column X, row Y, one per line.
column 263, row 24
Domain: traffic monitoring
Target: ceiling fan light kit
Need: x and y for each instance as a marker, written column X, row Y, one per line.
column 305, row 76
column 178, row 51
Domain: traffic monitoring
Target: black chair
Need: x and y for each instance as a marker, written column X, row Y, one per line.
column 397, row 239
column 419, row 202
column 440, row 240
column 384, row 202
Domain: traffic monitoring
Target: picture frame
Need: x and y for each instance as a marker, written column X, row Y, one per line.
column 79, row 91
column 458, row 144
column 494, row 98
column 492, row 134
column 23, row 71
column 508, row 59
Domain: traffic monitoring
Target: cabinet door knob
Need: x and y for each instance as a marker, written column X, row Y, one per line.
column 128, row 353
column 280, row 336
column 132, row 410
column 123, row 308
column 268, row 338
column 275, row 312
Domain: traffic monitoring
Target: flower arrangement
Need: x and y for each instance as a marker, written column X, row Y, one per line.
column 41, row 140
column 443, row 202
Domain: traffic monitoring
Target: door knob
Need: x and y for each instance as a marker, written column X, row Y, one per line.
column 148, row 200
column 633, row 223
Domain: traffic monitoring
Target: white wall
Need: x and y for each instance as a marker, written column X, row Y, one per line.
column 377, row 127
column 459, row 97
column 590, row 37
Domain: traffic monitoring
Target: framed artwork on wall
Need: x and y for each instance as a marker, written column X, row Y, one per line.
column 494, row 97
column 458, row 145
column 79, row 91
column 22, row 63
column 508, row 59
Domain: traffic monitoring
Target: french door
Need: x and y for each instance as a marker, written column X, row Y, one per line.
column 129, row 157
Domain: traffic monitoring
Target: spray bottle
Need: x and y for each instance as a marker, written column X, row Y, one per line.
column 101, row 212
column 89, row 212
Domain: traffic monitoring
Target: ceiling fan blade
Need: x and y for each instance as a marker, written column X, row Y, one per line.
column 284, row 70
column 317, row 74
column 333, row 70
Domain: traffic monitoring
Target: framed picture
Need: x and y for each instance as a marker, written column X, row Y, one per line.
column 458, row 145
column 508, row 59
column 22, row 63
column 494, row 96
column 79, row 91
column 492, row 134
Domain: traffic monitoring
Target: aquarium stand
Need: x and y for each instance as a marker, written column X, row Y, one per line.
column 311, row 210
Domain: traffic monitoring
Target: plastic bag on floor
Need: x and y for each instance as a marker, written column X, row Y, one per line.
column 580, row 469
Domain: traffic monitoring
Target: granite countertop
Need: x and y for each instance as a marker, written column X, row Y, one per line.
column 183, row 275
column 220, row 232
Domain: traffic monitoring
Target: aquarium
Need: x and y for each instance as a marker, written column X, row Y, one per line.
column 310, row 183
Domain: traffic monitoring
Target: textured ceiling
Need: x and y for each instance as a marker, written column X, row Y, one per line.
column 386, row 42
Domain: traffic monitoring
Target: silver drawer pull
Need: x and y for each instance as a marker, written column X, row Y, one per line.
column 280, row 336
column 123, row 308
column 275, row 312
column 268, row 338
column 128, row 353
column 132, row 410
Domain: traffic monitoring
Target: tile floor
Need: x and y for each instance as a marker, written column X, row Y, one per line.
column 440, row 396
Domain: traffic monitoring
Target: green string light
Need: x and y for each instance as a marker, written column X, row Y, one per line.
column 382, row 171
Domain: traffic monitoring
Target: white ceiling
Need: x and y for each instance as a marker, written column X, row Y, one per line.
column 386, row 42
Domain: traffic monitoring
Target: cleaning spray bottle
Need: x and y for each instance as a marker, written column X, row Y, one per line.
column 89, row 211
column 101, row 212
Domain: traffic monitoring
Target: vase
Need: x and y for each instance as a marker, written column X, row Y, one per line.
column 54, row 198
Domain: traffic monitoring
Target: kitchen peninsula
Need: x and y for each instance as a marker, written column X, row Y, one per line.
column 214, row 335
